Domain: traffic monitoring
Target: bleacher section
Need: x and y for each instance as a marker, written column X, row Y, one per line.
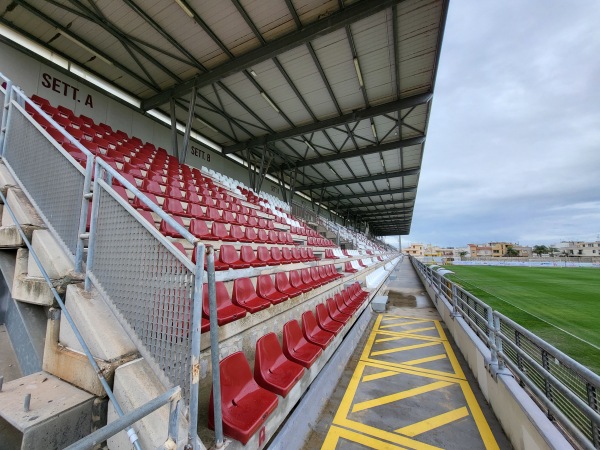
column 284, row 292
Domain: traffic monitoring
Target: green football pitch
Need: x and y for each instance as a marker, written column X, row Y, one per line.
column 560, row 305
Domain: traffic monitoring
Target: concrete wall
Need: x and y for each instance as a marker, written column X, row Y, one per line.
column 523, row 421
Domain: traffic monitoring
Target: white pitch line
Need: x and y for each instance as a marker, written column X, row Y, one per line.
column 531, row 314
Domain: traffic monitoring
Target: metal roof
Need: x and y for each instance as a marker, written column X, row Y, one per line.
column 337, row 94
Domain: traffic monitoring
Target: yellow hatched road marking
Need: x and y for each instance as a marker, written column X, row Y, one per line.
column 405, row 348
column 403, row 335
column 335, row 433
column 414, row 362
column 400, row 396
column 433, row 422
column 380, row 375
column 371, row 436
column 398, row 324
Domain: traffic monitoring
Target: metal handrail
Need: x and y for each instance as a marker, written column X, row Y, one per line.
column 172, row 396
column 103, row 169
column 499, row 343
column 132, row 436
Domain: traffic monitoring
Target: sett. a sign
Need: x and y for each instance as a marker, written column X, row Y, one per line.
column 64, row 88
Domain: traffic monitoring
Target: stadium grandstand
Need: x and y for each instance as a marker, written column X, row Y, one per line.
column 194, row 200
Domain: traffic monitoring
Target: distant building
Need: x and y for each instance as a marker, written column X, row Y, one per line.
column 415, row 250
column 498, row 250
column 480, row 250
column 578, row 248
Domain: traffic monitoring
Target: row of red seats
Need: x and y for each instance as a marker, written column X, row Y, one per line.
column 229, row 258
column 247, row 400
column 164, row 175
column 247, row 298
column 319, row 242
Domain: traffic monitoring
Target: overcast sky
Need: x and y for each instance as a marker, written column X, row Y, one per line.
column 513, row 145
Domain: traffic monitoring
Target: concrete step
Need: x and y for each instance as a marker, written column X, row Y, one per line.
column 25, row 214
column 59, row 413
column 134, row 385
column 106, row 339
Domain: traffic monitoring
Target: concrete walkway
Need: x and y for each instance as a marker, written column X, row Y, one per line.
column 407, row 385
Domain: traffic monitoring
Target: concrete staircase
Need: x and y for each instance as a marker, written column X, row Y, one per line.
column 67, row 400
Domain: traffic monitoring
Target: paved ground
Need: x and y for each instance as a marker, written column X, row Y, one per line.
column 407, row 385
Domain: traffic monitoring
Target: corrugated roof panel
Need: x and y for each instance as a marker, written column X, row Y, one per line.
column 312, row 10
column 226, row 22
column 271, row 17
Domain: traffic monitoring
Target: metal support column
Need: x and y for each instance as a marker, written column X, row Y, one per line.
column 188, row 127
column 174, row 146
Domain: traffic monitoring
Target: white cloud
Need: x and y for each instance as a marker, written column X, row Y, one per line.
column 513, row 146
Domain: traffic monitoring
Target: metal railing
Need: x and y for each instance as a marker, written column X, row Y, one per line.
column 154, row 290
column 567, row 390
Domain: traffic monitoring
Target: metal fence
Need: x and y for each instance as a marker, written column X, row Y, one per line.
column 154, row 290
column 565, row 389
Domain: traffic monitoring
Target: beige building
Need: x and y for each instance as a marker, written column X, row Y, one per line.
column 415, row 250
column 579, row 248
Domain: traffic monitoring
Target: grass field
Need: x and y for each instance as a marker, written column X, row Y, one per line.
column 560, row 305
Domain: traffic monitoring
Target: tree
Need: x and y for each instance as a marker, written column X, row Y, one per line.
column 540, row 249
column 463, row 254
column 511, row 252
column 552, row 250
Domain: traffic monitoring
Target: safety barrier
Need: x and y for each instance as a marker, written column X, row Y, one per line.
column 148, row 283
column 566, row 389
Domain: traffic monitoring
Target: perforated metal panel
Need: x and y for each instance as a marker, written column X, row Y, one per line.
column 151, row 290
column 52, row 183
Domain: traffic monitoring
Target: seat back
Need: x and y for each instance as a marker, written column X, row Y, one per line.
column 292, row 334
column 306, row 277
column 236, row 232
column 309, row 322
column 296, row 279
column 264, row 285
column 228, row 254
column 250, row 234
column 247, row 254
column 263, row 254
column 268, row 352
column 276, row 254
column 219, row 231
column 314, row 273
column 235, row 375
column 286, row 254
column 199, row 228
column 172, row 206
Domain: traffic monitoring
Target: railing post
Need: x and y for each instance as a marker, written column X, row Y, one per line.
column 492, row 336
column 547, row 385
column 93, row 224
column 174, row 409
column 498, row 335
column 85, row 205
column 455, row 312
column 593, row 402
column 214, row 348
column 195, row 350
column 5, row 108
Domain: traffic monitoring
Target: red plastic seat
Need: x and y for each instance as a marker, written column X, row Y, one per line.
column 296, row 348
column 213, row 214
column 326, row 322
column 148, row 216
column 276, row 255
column 168, row 230
column 173, row 207
column 282, row 284
column 304, row 254
column 226, row 311
column 311, row 256
column 335, row 313
column 313, row 333
column 297, row 282
column 263, row 236
column 229, row 255
column 266, row 289
column 219, row 232
column 250, row 234
column 316, row 276
column 194, row 210
column 237, row 234
column 286, row 255
column 343, row 307
column 307, row 278
column 139, row 204
column 228, row 217
column 151, row 187
column 296, row 255
column 174, row 192
column 348, row 268
column 248, row 256
column 264, row 256
column 244, row 295
column 272, row 370
column 244, row 404
column 199, row 229
column 273, row 237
